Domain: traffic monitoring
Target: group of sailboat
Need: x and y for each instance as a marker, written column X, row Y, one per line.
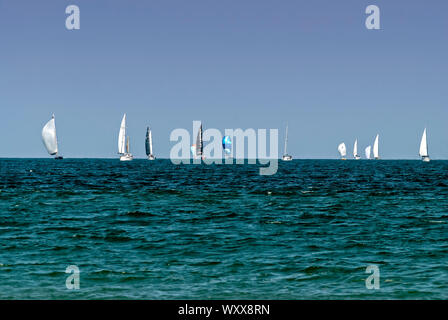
column 423, row 152
column 49, row 138
column 123, row 143
column 343, row 150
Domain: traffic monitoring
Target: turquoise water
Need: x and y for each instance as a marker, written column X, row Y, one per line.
column 153, row 230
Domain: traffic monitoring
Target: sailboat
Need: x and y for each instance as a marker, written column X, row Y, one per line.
column 424, row 148
column 198, row 148
column 286, row 156
column 376, row 154
column 227, row 147
column 355, row 151
column 342, row 150
column 148, row 144
column 368, row 151
column 50, row 139
column 123, row 143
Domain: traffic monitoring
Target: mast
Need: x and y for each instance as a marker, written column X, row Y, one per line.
column 286, row 139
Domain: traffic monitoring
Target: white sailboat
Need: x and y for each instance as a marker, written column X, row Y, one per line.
column 148, row 144
column 50, row 139
column 342, row 150
column 376, row 154
column 123, row 144
column 368, row 152
column 355, row 151
column 424, row 148
column 286, row 156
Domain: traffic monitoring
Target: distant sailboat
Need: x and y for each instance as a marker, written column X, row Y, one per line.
column 355, row 151
column 368, row 151
column 342, row 150
column 198, row 148
column 50, row 139
column 376, row 154
column 424, row 148
column 123, row 144
column 148, row 144
column 227, row 146
column 286, row 156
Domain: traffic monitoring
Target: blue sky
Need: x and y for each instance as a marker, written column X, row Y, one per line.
column 231, row 64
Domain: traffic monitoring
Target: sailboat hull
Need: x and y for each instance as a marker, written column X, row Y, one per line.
column 426, row 159
column 126, row 157
column 287, row 157
column 357, row 157
column 151, row 157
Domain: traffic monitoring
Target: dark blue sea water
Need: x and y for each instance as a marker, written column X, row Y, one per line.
column 154, row 230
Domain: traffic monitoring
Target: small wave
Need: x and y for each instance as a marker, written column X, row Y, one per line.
column 206, row 263
column 139, row 214
column 272, row 222
column 132, row 278
column 313, row 269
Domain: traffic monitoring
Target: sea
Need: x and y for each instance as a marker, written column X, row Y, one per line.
column 317, row 229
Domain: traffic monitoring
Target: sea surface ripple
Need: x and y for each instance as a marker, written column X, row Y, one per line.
column 154, row 230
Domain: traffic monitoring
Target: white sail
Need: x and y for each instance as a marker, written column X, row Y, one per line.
column 355, row 149
column 49, row 137
column 423, row 146
column 342, row 149
column 376, row 153
column 368, row 151
column 122, row 136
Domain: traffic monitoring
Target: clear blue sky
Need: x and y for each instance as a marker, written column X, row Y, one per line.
column 231, row 64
